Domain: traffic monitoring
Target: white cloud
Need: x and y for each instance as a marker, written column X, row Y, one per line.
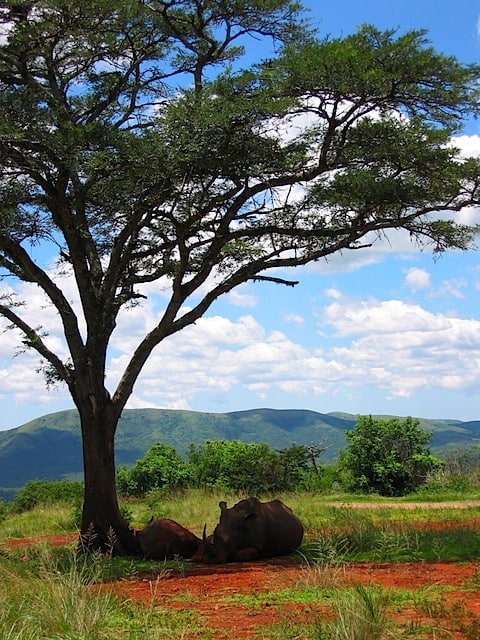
column 469, row 145
column 387, row 345
column 295, row 318
column 241, row 298
column 395, row 347
column 402, row 347
column 417, row 279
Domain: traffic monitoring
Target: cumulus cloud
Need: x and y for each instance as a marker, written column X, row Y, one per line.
column 395, row 347
column 403, row 347
column 240, row 297
column 469, row 145
column 417, row 279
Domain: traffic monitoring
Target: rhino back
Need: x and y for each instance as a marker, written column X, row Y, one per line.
column 165, row 538
column 282, row 529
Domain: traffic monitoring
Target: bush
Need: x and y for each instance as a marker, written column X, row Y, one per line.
column 248, row 468
column 160, row 468
column 389, row 457
column 46, row 492
column 233, row 465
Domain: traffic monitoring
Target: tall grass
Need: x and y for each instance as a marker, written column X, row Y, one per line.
column 192, row 508
column 60, row 596
column 356, row 613
column 43, row 519
column 54, row 601
column 359, row 615
column 355, row 535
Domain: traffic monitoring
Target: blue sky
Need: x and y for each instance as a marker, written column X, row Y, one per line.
column 387, row 330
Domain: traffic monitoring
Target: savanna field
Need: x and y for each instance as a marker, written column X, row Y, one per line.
column 366, row 569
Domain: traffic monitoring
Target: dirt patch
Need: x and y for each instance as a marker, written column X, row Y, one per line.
column 54, row 541
column 206, row 590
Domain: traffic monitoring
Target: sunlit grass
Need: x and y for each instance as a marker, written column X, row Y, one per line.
column 355, row 535
column 192, row 508
column 44, row 519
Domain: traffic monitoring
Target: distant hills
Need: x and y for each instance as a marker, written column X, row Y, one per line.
column 50, row 447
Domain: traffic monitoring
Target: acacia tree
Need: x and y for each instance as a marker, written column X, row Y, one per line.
column 135, row 148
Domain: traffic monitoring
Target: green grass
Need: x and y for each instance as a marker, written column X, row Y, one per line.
column 44, row 519
column 192, row 508
column 354, row 535
column 58, row 597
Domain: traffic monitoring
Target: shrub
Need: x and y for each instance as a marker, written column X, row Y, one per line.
column 3, row 510
column 242, row 467
column 161, row 468
column 46, row 491
column 389, row 457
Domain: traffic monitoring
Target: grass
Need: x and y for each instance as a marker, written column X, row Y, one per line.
column 192, row 508
column 58, row 597
column 44, row 519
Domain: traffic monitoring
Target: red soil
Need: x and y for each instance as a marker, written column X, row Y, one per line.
column 204, row 589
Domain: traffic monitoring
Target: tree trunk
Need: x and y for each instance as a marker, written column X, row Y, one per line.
column 103, row 527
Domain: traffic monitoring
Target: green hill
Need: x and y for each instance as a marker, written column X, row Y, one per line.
column 50, row 447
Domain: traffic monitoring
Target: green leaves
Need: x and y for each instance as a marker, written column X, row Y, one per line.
column 389, row 457
column 134, row 145
column 372, row 69
column 160, row 468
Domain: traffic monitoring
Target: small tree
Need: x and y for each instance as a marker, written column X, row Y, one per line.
column 160, row 468
column 293, row 463
column 37, row 492
column 389, row 457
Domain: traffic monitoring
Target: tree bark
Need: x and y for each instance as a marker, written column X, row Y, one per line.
column 102, row 528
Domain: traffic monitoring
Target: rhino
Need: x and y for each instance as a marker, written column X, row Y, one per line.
column 165, row 539
column 250, row 530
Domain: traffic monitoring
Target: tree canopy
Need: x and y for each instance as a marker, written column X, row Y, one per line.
column 138, row 145
column 389, row 457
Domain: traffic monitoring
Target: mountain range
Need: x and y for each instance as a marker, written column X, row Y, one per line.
column 49, row 447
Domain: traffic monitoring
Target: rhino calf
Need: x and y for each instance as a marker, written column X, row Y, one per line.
column 164, row 539
column 249, row 530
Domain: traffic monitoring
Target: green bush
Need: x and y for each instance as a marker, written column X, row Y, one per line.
column 247, row 468
column 161, row 468
column 3, row 510
column 389, row 457
column 46, row 492
column 233, row 465
column 326, row 481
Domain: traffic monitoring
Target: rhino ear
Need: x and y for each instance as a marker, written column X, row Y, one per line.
column 222, row 505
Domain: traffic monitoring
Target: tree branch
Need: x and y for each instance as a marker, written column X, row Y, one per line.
column 33, row 340
column 288, row 283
